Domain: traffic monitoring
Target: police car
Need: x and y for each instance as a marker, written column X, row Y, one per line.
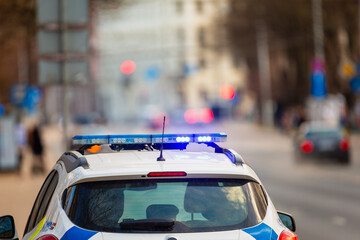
column 167, row 187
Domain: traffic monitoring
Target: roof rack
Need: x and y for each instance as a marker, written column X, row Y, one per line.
column 72, row 160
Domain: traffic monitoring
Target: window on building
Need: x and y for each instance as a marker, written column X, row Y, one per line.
column 199, row 6
column 181, row 35
column 202, row 63
column 179, row 6
column 201, row 36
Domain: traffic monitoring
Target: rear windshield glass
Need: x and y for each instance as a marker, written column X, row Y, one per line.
column 323, row 134
column 159, row 205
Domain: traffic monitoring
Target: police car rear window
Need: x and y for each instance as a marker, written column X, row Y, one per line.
column 166, row 205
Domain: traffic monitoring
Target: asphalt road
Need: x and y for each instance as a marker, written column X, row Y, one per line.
column 323, row 198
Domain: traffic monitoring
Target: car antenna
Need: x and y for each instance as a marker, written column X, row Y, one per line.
column 161, row 158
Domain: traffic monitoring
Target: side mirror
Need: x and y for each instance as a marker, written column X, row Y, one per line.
column 7, row 228
column 287, row 220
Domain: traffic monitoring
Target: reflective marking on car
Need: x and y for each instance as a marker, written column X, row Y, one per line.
column 38, row 229
column 49, row 226
column 261, row 232
column 78, row 234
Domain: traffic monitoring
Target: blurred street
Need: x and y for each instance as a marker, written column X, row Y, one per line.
column 279, row 77
column 324, row 199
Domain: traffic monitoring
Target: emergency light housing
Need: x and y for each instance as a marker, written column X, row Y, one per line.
column 148, row 139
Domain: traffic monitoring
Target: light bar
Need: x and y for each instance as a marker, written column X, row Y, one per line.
column 148, row 139
column 91, row 139
column 129, row 139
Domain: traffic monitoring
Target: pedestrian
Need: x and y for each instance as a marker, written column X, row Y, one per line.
column 36, row 145
column 21, row 141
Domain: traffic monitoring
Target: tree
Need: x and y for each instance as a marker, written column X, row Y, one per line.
column 290, row 31
column 17, row 30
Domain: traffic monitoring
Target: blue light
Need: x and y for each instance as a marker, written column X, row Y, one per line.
column 129, row 139
column 148, row 139
column 210, row 137
column 183, row 139
column 204, row 139
column 2, row 109
column 91, row 139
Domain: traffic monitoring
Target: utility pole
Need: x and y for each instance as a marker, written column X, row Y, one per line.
column 63, row 71
column 61, row 60
column 318, row 30
column 318, row 77
column 267, row 108
column 359, row 29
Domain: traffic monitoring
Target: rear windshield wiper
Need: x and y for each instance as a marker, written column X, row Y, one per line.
column 148, row 224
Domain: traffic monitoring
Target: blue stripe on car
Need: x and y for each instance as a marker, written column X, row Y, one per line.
column 262, row 232
column 78, row 234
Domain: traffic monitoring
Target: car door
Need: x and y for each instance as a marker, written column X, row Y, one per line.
column 37, row 216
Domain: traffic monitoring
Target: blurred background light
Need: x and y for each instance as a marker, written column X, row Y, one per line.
column 206, row 115
column 2, row 109
column 191, row 116
column 128, row 67
column 227, row 92
column 159, row 118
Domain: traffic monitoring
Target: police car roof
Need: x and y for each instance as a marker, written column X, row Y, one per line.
column 134, row 160
column 135, row 163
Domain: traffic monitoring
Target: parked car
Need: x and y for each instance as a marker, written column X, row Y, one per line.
column 321, row 140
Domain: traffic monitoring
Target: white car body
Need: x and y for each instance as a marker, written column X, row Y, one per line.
column 126, row 165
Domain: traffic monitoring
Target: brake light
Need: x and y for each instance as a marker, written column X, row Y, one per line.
column 307, row 146
column 344, row 145
column 47, row 237
column 167, row 174
column 288, row 235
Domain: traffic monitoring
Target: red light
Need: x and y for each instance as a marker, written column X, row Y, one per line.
column 206, row 115
column 307, row 147
column 128, row 67
column 47, row 237
column 191, row 116
column 288, row 235
column 167, row 174
column 159, row 118
column 227, row 92
column 344, row 145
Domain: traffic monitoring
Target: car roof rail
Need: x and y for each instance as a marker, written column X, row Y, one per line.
column 234, row 156
column 73, row 160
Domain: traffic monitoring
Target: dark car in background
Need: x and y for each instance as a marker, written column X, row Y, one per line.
column 322, row 140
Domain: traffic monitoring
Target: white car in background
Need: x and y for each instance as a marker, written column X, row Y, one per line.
column 121, row 187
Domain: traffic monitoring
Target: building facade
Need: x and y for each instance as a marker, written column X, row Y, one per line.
column 178, row 48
